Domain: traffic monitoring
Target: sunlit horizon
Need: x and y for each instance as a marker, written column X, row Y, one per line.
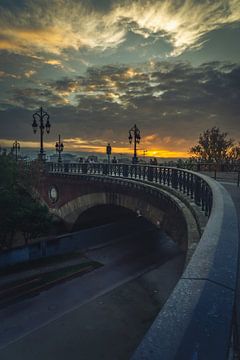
column 148, row 153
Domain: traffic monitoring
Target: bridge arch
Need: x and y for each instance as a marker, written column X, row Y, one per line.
column 77, row 194
column 104, row 214
column 71, row 210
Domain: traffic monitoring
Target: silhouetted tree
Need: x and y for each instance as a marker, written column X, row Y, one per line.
column 9, row 205
column 34, row 219
column 8, row 171
column 213, row 146
column 234, row 153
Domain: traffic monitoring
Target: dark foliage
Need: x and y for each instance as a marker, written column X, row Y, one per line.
column 19, row 212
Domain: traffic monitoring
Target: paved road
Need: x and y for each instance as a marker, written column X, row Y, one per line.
column 123, row 261
column 109, row 327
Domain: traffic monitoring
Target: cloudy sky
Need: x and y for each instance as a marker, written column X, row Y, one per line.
column 100, row 66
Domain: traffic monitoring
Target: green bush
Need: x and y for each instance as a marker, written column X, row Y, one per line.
column 19, row 212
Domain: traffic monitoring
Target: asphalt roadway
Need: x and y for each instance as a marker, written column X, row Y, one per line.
column 101, row 315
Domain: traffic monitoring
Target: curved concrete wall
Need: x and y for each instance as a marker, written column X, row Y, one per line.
column 197, row 320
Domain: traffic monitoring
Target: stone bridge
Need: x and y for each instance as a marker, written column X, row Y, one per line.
column 199, row 319
column 70, row 194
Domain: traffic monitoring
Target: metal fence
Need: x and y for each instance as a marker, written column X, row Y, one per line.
column 185, row 181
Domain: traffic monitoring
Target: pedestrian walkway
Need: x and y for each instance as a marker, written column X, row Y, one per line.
column 223, row 177
column 235, row 193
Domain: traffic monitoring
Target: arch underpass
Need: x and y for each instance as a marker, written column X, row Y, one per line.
column 103, row 214
column 77, row 195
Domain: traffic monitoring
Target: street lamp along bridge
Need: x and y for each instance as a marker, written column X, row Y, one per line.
column 108, row 151
column 16, row 148
column 134, row 135
column 41, row 120
column 59, row 148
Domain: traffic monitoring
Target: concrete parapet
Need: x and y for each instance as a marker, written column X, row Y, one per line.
column 197, row 321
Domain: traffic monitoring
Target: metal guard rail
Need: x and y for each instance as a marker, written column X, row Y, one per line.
column 198, row 321
column 187, row 182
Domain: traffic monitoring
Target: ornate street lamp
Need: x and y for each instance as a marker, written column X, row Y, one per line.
column 108, row 151
column 16, row 148
column 59, row 148
column 134, row 134
column 144, row 153
column 38, row 121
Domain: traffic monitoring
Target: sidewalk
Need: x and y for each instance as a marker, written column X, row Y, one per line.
column 225, row 177
column 235, row 193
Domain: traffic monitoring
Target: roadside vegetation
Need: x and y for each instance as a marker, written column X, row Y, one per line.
column 31, row 285
column 19, row 212
column 216, row 146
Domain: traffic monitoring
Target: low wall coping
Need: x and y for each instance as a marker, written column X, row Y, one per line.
column 196, row 322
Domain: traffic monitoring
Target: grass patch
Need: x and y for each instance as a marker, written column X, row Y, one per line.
column 17, row 290
column 38, row 263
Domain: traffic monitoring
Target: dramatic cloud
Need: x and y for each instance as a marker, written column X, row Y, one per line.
column 52, row 27
column 170, row 102
column 99, row 67
column 30, row 98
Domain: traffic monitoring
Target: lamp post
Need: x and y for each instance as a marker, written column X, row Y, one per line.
column 134, row 134
column 59, row 148
column 144, row 153
column 108, row 151
column 16, row 148
column 39, row 117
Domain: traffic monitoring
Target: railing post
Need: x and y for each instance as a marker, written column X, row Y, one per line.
column 150, row 173
column 188, row 184
column 84, row 168
column 174, row 179
column 48, row 167
column 105, row 169
column 125, row 170
column 66, row 167
column 215, row 172
column 197, row 190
